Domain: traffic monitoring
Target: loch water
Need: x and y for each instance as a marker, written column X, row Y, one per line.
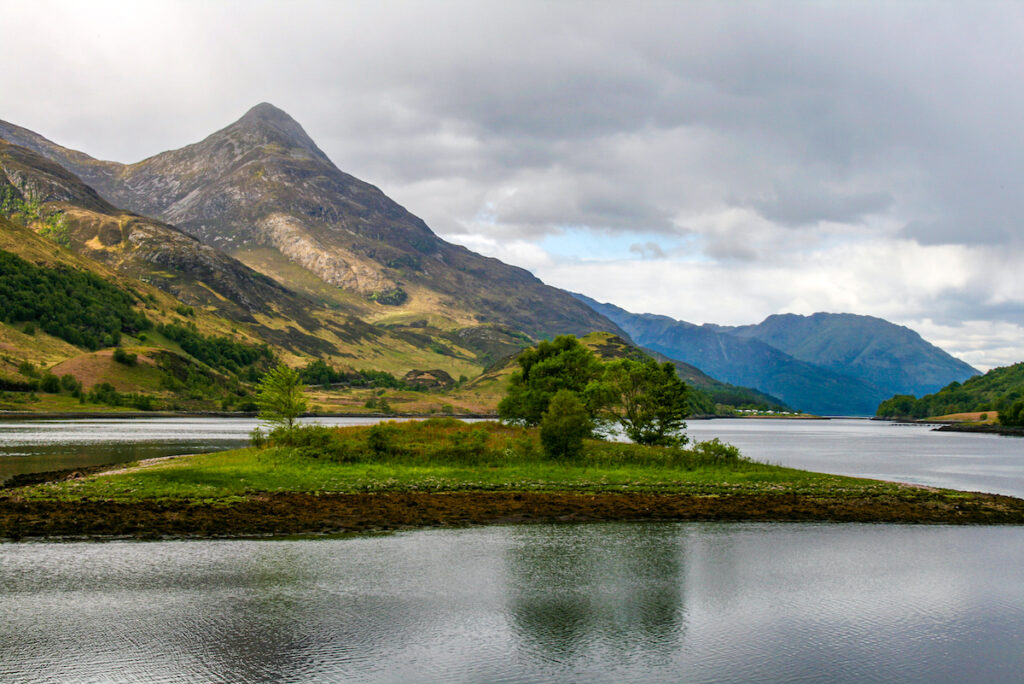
column 603, row 602
column 612, row 602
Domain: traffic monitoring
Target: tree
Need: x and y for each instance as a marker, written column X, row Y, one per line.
column 1013, row 415
column 564, row 425
column 651, row 399
column 280, row 398
column 560, row 364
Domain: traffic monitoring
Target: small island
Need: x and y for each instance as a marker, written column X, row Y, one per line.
column 441, row 472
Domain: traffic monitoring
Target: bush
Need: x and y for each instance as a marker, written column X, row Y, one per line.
column 467, row 446
column 380, row 440
column 50, row 383
column 564, row 426
column 127, row 358
column 70, row 383
column 716, row 451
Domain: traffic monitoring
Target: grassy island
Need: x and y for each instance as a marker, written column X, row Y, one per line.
column 319, row 480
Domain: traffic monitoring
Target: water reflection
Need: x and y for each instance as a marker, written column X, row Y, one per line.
column 608, row 602
column 574, row 589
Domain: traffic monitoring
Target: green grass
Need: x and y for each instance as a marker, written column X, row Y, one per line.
column 444, row 455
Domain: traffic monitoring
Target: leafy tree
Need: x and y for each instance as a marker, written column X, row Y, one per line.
column 564, row 426
column 560, row 364
column 1013, row 415
column 652, row 401
column 280, row 398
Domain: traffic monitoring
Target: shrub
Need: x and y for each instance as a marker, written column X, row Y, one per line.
column 716, row 451
column 564, row 426
column 50, row 383
column 257, row 438
column 127, row 358
column 467, row 447
column 380, row 440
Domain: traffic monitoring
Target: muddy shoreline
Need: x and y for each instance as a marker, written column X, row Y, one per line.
column 1004, row 430
column 290, row 514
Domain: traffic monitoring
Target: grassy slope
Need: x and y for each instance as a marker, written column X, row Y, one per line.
column 385, row 351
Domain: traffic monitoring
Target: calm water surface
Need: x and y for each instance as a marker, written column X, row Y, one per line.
column 880, row 450
column 31, row 446
column 602, row 602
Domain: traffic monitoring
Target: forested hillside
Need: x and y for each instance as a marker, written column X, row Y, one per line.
column 997, row 390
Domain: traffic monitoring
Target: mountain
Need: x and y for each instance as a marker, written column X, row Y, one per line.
column 136, row 245
column 750, row 362
column 261, row 191
column 996, row 390
column 891, row 357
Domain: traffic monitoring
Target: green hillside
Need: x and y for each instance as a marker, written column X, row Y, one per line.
column 998, row 390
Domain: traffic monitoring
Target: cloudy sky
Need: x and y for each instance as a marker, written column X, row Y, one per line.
column 711, row 161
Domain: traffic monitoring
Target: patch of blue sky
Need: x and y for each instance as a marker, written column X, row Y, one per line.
column 584, row 244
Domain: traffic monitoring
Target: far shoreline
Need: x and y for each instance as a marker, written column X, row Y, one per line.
column 99, row 415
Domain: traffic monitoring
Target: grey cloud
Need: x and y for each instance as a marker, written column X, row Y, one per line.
column 808, row 203
column 647, row 250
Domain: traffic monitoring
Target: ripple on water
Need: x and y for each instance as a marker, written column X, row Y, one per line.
column 609, row 602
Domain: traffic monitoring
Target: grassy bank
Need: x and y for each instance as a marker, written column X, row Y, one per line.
column 443, row 471
column 441, row 455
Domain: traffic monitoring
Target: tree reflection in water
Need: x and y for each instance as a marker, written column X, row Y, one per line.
column 575, row 589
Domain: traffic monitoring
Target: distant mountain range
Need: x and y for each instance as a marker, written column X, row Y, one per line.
column 830, row 364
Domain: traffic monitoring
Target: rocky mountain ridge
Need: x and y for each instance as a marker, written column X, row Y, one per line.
column 261, row 190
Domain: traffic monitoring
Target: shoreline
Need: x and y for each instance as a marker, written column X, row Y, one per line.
column 99, row 415
column 1004, row 430
column 287, row 514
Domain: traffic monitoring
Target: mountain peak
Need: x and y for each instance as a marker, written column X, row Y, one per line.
column 265, row 111
column 266, row 123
